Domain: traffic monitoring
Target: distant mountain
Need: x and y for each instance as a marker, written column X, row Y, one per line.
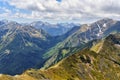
column 4, row 21
column 100, row 61
column 53, row 29
column 25, row 46
column 21, row 47
column 79, row 36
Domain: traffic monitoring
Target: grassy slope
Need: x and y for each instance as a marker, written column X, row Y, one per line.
column 86, row 64
column 83, row 65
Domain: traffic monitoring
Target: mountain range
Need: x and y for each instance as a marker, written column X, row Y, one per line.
column 54, row 29
column 21, row 47
column 78, row 38
column 31, row 52
column 101, row 61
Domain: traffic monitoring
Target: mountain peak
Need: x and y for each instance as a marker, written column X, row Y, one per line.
column 106, row 19
column 7, row 21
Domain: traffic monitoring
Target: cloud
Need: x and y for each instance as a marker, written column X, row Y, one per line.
column 67, row 9
column 4, row 12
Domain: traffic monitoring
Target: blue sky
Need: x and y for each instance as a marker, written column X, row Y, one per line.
column 80, row 11
column 59, row 0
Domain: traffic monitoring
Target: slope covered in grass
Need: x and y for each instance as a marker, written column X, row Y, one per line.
column 83, row 65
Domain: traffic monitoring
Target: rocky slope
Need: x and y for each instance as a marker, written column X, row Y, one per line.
column 21, row 47
column 26, row 47
column 77, row 37
column 96, row 63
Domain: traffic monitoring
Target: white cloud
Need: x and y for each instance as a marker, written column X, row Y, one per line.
column 5, row 12
column 68, row 9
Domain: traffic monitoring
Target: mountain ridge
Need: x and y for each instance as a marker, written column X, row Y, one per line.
column 84, row 64
column 25, row 41
column 80, row 35
column 22, row 47
column 53, row 29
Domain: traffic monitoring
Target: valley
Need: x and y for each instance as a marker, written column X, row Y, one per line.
column 30, row 53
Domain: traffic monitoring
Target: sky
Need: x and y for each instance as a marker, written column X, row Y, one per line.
column 81, row 11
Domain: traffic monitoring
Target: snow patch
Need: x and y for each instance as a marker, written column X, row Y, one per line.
column 98, row 34
column 88, row 24
column 7, row 51
column 100, row 30
column 104, row 25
